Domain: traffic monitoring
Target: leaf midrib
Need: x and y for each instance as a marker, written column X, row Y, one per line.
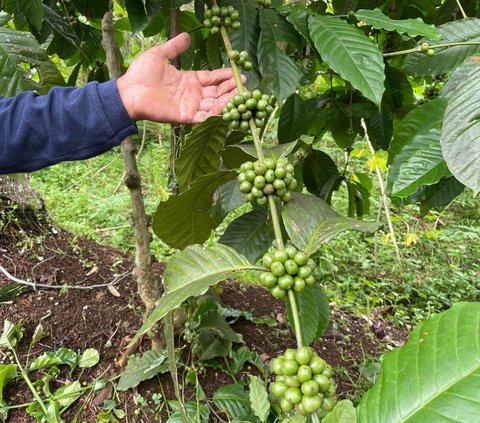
column 347, row 51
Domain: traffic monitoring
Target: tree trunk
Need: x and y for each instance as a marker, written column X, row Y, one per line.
column 149, row 284
column 21, row 208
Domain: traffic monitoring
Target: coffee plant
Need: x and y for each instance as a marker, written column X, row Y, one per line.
column 402, row 75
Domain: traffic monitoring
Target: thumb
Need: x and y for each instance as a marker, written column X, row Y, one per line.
column 174, row 47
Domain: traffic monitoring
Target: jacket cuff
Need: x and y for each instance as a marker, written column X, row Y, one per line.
column 121, row 123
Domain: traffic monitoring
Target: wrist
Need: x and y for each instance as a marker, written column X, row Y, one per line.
column 127, row 98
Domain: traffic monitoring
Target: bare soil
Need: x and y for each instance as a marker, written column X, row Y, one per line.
column 104, row 319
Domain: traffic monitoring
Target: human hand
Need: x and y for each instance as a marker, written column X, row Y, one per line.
column 152, row 89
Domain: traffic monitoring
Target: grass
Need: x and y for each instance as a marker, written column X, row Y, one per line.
column 88, row 197
column 442, row 267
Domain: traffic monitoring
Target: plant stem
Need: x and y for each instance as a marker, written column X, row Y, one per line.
column 434, row 46
column 236, row 71
column 462, row 11
column 271, row 201
column 276, row 223
column 315, row 418
column 29, row 383
column 296, row 318
column 383, row 192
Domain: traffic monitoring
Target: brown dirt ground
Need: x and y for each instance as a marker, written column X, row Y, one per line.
column 80, row 319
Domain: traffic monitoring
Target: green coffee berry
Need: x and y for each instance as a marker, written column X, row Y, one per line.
column 302, row 382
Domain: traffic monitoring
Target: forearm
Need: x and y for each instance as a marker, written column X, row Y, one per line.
column 67, row 124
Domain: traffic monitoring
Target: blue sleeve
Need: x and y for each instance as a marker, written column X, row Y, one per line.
column 66, row 124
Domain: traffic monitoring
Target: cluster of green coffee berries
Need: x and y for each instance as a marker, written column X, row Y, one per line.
column 241, row 59
column 425, row 48
column 266, row 177
column 265, row 3
column 303, row 382
column 242, row 107
column 221, row 16
column 289, row 269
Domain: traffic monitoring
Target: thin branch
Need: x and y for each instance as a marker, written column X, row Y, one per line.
column 40, row 285
column 462, row 11
column 383, row 194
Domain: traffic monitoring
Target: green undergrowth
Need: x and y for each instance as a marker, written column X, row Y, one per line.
column 439, row 264
column 439, row 252
column 88, row 197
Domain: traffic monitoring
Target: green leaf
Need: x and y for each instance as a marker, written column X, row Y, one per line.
column 11, row 335
column 280, row 72
column 211, row 318
column 259, row 399
column 235, row 155
column 200, row 154
column 435, row 377
column 284, row 30
column 233, row 399
column 420, row 163
column 66, row 41
column 297, row 15
column 247, row 315
column 18, row 48
column 460, row 139
column 8, row 372
column 310, row 222
column 246, row 38
column 141, row 12
column 411, row 27
column 33, row 10
column 419, row 121
column 91, row 9
column 38, row 335
column 458, row 76
column 184, row 219
column 89, row 358
column 447, row 59
column 228, row 197
column 293, row 117
column 314, row 312
column 250, row 234
column 210, row 346
column 52, row 415
column 344, row 412
column 441, row 194
column 320, row 174
column 350, row 53
column 4, row 18
column 140, row 368
column 380, row 127
column 68, row 394
column 197, row 413
column 54, row 358
column 240, row 357
column 190, row 273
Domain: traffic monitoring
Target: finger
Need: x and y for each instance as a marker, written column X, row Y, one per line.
column 214, row 77
column 174, row 47
column 200, row 116
column 220, row 103
column 225, row 87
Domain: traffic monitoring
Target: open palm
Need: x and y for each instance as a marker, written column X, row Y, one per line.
column 155, row 90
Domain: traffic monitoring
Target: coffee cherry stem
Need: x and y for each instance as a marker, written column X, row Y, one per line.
column 315, row 418
column 296, row 318
column 236, row 71
column 271, row 201
column 418, row 49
